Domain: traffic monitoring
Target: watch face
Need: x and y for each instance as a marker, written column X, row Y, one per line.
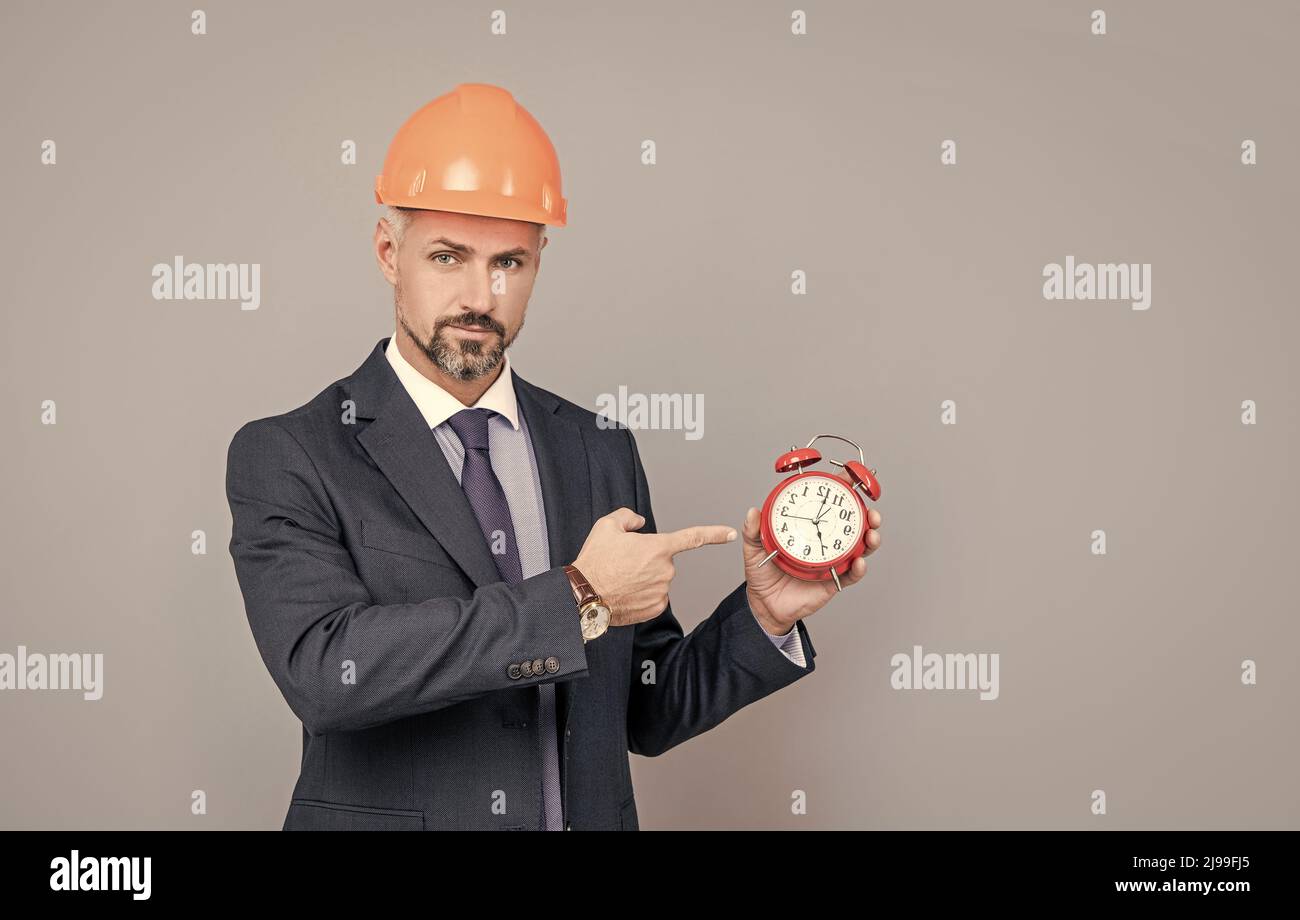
column 816, row 519
column 595, row 620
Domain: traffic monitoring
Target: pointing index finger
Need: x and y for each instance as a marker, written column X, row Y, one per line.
column 679, row 541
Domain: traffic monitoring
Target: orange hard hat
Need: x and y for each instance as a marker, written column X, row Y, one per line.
column 474, row 150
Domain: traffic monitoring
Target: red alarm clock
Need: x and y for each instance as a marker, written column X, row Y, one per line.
column 814, row 524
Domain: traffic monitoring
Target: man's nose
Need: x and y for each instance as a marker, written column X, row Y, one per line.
column 477, row 296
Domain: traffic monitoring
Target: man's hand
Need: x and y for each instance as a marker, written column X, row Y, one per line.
column 632, row 571
column 780, row 600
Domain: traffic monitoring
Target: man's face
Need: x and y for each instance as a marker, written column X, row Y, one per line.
column 461, row 285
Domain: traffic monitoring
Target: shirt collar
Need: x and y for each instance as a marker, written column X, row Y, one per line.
column 437, row 405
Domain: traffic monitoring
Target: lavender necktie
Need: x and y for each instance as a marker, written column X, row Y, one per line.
column 488, row 500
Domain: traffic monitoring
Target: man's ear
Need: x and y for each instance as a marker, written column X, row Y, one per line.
column 386, row 250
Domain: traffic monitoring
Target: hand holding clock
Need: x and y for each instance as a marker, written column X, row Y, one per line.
column 779, row 599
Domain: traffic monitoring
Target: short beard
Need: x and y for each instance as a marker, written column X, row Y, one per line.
column 469, row 360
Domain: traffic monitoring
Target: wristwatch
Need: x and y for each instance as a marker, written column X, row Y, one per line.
column 592, row 612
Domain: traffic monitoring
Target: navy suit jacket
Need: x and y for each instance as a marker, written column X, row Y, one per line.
column 379, row 612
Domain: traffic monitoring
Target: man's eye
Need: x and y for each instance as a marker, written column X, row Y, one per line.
column 439, row 255
column 516, row 261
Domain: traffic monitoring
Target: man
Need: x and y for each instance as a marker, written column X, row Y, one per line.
column 453, row 575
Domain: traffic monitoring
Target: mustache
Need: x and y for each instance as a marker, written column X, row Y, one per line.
column 481, row 320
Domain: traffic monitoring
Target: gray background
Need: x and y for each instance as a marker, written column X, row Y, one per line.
column 776, row 153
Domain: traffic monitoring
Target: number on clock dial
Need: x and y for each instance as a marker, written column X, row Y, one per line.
column 816, row 519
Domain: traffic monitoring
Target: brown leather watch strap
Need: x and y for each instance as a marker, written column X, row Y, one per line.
column 583, row 592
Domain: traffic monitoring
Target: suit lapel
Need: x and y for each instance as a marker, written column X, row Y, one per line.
column 406, row 451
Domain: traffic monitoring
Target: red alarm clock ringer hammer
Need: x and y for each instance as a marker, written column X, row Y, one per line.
column 813, row 524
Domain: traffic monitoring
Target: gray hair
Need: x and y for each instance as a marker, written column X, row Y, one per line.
column 400, row 218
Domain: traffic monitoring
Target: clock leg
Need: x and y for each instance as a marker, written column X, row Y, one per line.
column 767, row 560
column 835, row 575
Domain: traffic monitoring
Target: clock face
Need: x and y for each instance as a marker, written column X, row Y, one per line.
column 816, row 519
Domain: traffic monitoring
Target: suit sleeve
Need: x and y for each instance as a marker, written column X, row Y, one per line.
column 343, row 662
column 684, row 685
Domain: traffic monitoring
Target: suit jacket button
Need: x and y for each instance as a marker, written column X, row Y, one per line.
column 539, row 667
column 526, row 668
column 514, row 671
column 552, row 664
